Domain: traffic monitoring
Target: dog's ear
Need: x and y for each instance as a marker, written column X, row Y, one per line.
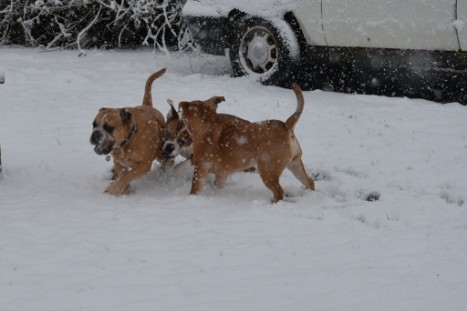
column 104, row 110
column 172, row 114
column 216, row 100
column 183, row 105
column 125, row 115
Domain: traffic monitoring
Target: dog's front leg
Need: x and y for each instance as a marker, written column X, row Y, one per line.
column 165, row 163
column 117, row 170
column 180, row 167
column 122, row 183
column 199, row 176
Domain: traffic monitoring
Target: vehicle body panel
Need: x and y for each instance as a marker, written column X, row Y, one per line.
column 310, row 20
column 461, row 23
column 404, row 24
column 395, row 24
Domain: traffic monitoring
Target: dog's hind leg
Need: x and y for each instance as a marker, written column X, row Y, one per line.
column 220, row 181
column 298, row 170
column 271, row 181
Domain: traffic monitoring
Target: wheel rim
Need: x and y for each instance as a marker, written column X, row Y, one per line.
column 258, row 50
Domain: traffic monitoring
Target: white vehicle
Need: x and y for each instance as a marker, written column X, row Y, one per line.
column 269, row 38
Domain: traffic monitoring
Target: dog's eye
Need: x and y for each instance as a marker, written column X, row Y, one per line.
column 109, row 129
column 168, row 136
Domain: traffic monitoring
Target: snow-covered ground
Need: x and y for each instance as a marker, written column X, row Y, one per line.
column 65, row 245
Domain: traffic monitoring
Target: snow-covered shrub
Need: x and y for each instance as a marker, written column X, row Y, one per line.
column 94, row 23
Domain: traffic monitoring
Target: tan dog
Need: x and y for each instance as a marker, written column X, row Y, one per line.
column 178, row 140
column 133, row 136
column 223, row 146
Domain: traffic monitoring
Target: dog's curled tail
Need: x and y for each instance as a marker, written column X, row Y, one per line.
column 147, row 98
column 293, row 119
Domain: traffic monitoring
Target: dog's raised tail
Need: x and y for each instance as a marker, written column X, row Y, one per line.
column 147, row 98
column 293, row 119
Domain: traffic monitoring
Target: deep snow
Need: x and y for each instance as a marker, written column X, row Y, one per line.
column 65, row 245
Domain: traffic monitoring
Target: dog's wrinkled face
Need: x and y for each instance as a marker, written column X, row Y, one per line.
column 177, row 139
column 110, row 129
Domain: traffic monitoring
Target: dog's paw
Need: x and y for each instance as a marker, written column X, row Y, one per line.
column 115, row 189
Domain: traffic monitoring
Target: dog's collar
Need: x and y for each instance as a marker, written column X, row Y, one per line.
column 132, row 133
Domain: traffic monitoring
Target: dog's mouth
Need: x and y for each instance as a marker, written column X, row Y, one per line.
column 170, row 149
column 102, row 145
column 104, row 149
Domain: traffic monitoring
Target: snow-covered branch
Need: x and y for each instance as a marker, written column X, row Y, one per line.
column 95, row 23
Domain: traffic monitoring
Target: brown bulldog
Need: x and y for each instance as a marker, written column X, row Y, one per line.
column 223, row 146
column 133, row 136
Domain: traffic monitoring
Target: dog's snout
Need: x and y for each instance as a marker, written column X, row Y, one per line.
column 96, row 137
column 169, row 148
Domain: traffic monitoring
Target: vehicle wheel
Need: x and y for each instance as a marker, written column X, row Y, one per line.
column 260, row 50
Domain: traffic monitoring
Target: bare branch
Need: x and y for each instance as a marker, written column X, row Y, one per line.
column 83, row 32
